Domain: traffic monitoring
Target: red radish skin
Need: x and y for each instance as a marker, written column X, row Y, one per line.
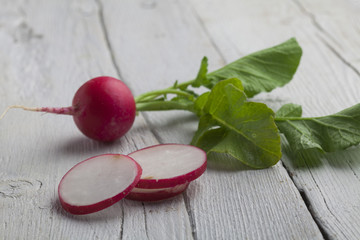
column 103, row 109
column 104, row 168
column 152, row 195
column 147, row 158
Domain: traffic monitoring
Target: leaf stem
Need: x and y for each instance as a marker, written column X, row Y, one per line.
column 171, row 90
column 283, row 119
column 163, row 106
column 185, row 84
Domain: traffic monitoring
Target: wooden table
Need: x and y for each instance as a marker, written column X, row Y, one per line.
column 49, row 48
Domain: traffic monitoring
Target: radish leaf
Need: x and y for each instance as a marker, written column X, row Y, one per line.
column 264, row 70
column 329, row 133
column 201, row 78
column 200, row 103
column 289, row 110
column 231, row 125
column 246, row 130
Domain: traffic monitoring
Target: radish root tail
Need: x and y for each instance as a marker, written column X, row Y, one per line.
column 21, row 107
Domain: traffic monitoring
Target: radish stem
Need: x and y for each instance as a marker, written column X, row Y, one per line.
column 150, row 102
column 163, row 106
column 154, row 94
column 176, row 89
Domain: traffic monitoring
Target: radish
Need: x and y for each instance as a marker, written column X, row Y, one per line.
column 168, row 165
column 145, row 195
column 97, row 183
column 103, row 109
column 158, row 172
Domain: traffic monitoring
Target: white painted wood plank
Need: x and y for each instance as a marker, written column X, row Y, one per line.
column 33, row 47
column 331, row 185
column 323, row 84
column 46, row 53
column 223, row 204
column 339, row 24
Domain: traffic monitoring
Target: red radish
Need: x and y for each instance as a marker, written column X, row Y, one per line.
column 103, row 109
column 168, row 165
column 158, row 172
column 97, row 183
column 147, row 195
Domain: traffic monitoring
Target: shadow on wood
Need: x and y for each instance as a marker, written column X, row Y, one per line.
column 315, row 159
column 225, row 162
column 81, row 144
column 113, row 212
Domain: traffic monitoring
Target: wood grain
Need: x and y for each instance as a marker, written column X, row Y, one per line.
column 324, row 84
column 223, row 204
column 338, row 25
column 49, row 48
column 48, row 53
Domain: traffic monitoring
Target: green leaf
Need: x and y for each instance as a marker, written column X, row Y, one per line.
column 329, row 133
column 289, row 110
column 231, row 125
column 201, row 78
column 210, row 138
column 262, row 71
column 206, row 123
column 200, row 103
column 228, row 91
column 176, row 84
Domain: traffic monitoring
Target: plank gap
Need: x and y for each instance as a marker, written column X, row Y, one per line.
column 352, row 169
column 145, row 221
column 152, row 128
column 207, row 33
column 310, row 15
column 191, row 216
column 107, row 40
column 307, row 202
column 338, row 55
column 122, row 221
column 324, row 32
column 324, row 199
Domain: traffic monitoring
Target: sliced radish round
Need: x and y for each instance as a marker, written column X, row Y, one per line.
column 168, row 165
column 147, row 195
column 98, row 182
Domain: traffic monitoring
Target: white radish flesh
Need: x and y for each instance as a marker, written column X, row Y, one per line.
column 168, row 165
column 98, row 182
column 148, row 195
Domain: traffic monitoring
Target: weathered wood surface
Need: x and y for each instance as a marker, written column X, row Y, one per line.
column 49, row 48
column 326, row 82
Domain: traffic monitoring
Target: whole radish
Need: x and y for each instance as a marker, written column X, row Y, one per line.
column 103, row 109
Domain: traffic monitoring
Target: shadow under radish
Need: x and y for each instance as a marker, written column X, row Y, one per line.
column 112, row 212
column 83, row 145
column 173, row 126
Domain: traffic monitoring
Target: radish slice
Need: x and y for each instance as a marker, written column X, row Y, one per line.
column 147, row 195
column 98, row 182
column 168, row 165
